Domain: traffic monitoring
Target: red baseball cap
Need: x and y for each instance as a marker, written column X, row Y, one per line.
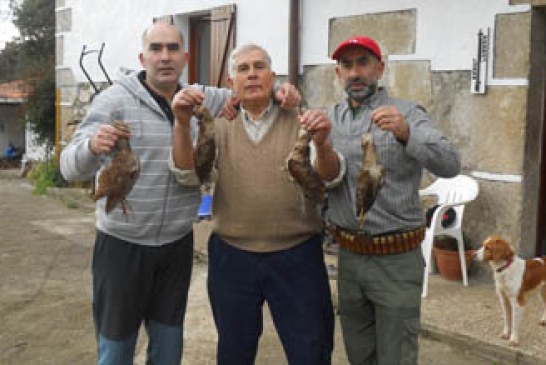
column 365, row 42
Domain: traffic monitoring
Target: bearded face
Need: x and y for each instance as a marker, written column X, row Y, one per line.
column 359, row 89
column 360, row 72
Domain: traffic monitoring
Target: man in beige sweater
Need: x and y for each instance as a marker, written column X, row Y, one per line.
column 266, row 243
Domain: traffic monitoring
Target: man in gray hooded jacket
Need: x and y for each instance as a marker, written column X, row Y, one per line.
column 142, row 261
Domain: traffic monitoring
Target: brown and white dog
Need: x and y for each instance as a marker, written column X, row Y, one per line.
column 514, row 279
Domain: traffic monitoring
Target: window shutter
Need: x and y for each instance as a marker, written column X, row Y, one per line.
column 222, row 42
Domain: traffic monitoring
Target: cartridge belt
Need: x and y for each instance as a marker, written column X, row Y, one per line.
column 387, row 244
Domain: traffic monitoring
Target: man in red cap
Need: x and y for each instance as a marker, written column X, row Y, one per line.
column 381, row 266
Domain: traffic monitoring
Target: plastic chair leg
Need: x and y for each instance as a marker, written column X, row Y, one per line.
column 424, row 293
column 462, row 259
column 426, row 247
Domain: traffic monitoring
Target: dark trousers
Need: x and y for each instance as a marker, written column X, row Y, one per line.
column 294, row 282
column 134, row 284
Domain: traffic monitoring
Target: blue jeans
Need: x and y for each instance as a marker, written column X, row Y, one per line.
column 164, row 346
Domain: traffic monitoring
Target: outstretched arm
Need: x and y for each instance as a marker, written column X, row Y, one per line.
column 327, row 162
column 422, row 142
column 182, row 105
column 287, row 95
column 94, row 136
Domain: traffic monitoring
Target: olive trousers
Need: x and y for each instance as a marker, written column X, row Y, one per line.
column 380, row 306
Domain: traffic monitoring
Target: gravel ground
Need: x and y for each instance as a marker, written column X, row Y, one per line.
column 45, row 254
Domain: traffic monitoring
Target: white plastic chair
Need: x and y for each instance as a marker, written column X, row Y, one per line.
column 451, row 193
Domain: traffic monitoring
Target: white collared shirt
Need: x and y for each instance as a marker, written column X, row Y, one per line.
column 256, row 129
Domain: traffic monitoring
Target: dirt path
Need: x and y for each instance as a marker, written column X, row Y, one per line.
column 44, row 281
column 45, row 286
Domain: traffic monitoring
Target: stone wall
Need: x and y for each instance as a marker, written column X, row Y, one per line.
column 512, row 37
column 394, row 31
column 74, row 97
column 531, row 2
column 63, row 20
column 489, row 130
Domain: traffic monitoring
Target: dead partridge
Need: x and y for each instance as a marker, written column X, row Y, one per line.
column 118, row 178
column 205, row 151
column 299, row 167
column 370, row 179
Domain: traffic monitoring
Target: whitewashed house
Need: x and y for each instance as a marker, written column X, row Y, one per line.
column 495, row 115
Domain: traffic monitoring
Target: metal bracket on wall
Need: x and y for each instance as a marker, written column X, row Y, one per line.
column 84, row 53
column 479, row 65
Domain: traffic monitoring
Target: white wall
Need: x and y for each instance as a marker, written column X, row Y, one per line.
column 120, row 23
column 446, row 29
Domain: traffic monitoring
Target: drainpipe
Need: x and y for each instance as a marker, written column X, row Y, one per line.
column 294, row 40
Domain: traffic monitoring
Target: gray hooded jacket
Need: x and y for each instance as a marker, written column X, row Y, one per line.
column 162, row 210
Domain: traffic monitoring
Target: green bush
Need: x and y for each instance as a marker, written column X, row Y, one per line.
column 45, row 175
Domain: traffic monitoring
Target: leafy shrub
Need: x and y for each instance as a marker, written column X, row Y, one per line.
column 45, row 175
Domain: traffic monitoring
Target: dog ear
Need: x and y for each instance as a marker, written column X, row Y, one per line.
column 501, row 249
column 489, row 247
column 508, row 251
column 496, row 251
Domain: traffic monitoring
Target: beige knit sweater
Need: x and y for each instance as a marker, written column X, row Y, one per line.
column 256, row 207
